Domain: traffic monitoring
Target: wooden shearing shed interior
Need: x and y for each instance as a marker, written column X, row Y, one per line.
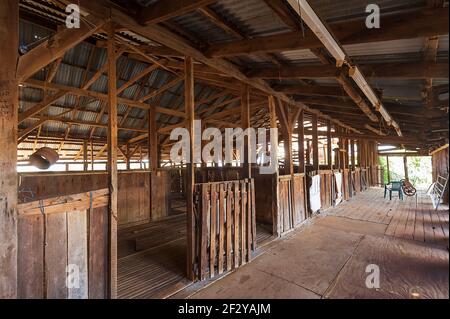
column 94, row 204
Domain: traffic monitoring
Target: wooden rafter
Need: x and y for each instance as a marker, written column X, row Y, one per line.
column 427, row 23
column 56, row 46
column 380, row 70
column 168, row 9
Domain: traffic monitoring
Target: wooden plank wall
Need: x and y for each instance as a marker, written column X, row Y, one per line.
column 326, row 188
column 226, row 226
column 345, row 184
column 292, row 207
column 63, row 251
column 133, row 191
column 440, row 167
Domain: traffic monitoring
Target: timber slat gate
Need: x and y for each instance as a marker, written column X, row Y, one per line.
column 225, row 226
column 292, row 209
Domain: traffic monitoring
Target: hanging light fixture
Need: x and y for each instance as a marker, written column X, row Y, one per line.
column 308, row 15
column 43, row 158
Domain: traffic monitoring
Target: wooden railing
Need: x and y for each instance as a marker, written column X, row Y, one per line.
column 292, row 207
column 133, row 191
column 63, row 247
column 225, row 226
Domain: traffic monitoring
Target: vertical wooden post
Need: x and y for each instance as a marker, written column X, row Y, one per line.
column 245, row 122
column 140, row 157
column 92, row 155
column 189, row 109
column 329, row 146
column 112, row 162
column 301, row 142
column 405, row 166
column 152, row 157
column 359, row 152
column 274, row 148
column 315, row 143
column 352, row 154
column 341, row 155
column 9, row 105
column 85, row 155
column 288, row 161
column 347, row 151
column 308, row 152
column 127, row 157
column 388, row 171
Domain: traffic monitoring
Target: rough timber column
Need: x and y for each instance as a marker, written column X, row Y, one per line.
column 9, row 100
column 190, row 174
column 152, row 157
column 315, row 143
column 85, row 155
column 274, row 148
column 301, row 143
column 329, row 146
column 245, row 122
column 112, row 162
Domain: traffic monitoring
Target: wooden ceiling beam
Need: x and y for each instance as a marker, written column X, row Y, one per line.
column 423, row 23
column 100, row 96
column 168, row 9
column 48, row 100
column 402, row 71
column 55, row 47
column 163, row 36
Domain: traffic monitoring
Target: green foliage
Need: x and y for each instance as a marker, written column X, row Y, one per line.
column 419, row 170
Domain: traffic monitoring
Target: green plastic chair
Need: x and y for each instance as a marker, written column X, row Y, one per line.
column 393, row 186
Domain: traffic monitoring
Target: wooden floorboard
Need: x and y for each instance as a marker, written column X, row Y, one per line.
column 411, row 218
column 408, row 270
column 152, row 258
column 327, row 258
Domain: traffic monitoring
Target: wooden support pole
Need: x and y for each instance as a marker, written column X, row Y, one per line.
column 308, row 152
column 329, row 146
column 359, row 144
column 85, row 155
column 388, row 170
column 140, row 157
column 112, row 163
column 288, row 160
column 346, row 153
column 405, row 167
column 9, row 105
column 274, row 148
column 352, row 154
column 301, row 143
column 92, row 155
column 245, row 122
column 190, row 173
column 152, row 157
column 127, row 157
column 341, row 145
column 315, row 143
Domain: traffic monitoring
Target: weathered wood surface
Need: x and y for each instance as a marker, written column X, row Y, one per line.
column 440, row 166
column 292, row 206
column 158, row 268
column 133, row 190
column 335, row 251
column 408, row 270
column 9, row 106
column 63, row 252
column 226, row 225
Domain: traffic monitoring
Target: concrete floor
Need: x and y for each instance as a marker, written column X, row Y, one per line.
column 328, row 258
